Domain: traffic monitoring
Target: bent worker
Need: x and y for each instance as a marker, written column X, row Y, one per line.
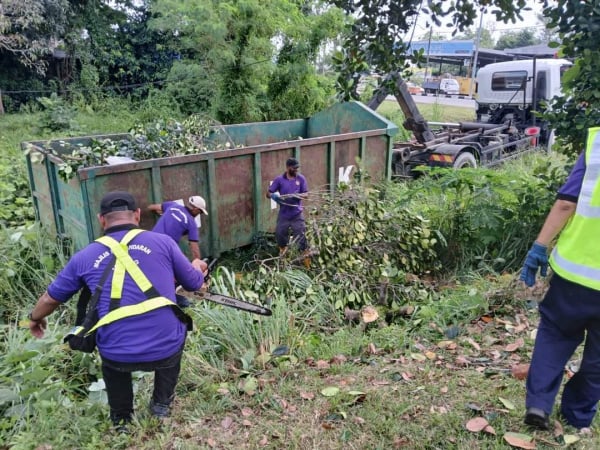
column 150, row 335
column 178, row 220
column 570, row 310
column 288, row 190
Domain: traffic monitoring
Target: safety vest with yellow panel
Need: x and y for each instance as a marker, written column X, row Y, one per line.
column 576, row 254
column 125, row 264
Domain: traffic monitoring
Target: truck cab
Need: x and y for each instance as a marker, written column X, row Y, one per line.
column 512, row 90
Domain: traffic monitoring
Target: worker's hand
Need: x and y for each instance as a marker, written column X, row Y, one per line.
column 536, row 258
column 37, row 327
column 200, row 265
column 276, row 197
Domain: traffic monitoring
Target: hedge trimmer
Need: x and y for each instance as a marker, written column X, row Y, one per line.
column 229, row 301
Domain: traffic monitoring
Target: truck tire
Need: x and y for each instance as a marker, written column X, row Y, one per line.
column 464, row 159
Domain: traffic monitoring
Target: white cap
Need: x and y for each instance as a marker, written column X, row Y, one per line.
column 198, row 202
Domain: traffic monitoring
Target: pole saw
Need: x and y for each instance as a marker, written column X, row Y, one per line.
column 229, row 301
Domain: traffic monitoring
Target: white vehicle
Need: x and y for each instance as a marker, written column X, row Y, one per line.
column 447, row 86
column 512, row 91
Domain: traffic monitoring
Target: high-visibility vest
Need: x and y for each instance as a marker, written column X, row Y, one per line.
column 576, row 256
column 125, row 264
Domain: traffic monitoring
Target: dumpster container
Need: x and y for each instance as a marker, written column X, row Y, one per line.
column 233, row 182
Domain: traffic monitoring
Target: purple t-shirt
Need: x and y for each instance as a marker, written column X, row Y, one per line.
column 148, row 337
column 572, row 187
column 290, row 206
column 176, row 221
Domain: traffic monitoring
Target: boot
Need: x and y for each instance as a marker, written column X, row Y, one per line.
column 282, row 251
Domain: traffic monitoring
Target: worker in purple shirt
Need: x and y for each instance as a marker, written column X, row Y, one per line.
column 146, row 338
column 570, row 310
column 178, row 220
column 288, row 190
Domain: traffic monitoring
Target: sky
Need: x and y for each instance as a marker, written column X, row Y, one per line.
column 489, row 22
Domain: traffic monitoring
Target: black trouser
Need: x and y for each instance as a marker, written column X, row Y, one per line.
column 119, row 388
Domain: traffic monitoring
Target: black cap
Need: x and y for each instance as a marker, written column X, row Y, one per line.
column 117, row 201
column 292, row 162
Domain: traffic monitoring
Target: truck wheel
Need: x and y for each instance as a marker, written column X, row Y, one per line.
column 463, row 160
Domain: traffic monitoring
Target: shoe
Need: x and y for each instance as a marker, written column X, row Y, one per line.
column 585, row 431
column 537, row 418
column 122, row 429
column 182, row 301
column 159, row 410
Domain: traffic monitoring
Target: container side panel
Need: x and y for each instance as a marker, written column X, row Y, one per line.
column 136, row 182
column 314, row 166
column 249, row 134
column 72, row 210
column 40, row 189
column 234, row 185
column 346, row 153
column 347, row 118
column 181, row 181
column 375, row 157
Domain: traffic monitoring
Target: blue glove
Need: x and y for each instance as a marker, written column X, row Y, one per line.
column 536, row 258
column 276, row 197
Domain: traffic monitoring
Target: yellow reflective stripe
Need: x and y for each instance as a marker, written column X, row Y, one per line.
column 132, row 310
column 124, row 264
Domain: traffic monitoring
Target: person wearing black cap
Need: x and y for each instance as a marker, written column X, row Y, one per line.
column 288, row 190
column 148, row 332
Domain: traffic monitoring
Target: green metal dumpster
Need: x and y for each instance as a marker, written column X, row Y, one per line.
column 233, row 182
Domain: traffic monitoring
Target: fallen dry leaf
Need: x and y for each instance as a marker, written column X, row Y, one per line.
column 246, row 423
column 489, row 430
column 321, row 364
column 430, row 355
column 263, row 442
column 307, row 395
column 477, row 424
column 246, row 412
column 369, row 314
column 226, row 423
column 444, row 390
column 515, row 345
column 558, row 429
column 338, row 359
column 211, row 442
column 520, row 440
column 520, row 371
column 474, row 344
column 371, row 349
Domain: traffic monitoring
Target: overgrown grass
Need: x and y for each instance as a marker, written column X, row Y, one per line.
column 305, row 377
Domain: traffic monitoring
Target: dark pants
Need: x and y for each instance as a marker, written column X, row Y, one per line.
column 568, row 314
column 297, row 227
column 119, row 388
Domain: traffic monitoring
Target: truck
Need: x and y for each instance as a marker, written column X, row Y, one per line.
column 514, row 90
column 455, row 145
column 447, row 86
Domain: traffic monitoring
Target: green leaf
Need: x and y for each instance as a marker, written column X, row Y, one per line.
column 507, row 403
column 330, row 391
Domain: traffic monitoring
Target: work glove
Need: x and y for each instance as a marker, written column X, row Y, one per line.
column 536, row 258
column 276, row 197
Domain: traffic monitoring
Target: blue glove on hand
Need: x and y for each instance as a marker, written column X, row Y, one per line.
column 276, row 197
column 536, row 257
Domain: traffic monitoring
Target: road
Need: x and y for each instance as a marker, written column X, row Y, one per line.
column 442, row 100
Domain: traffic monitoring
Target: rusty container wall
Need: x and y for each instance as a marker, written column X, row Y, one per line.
column 234, row 182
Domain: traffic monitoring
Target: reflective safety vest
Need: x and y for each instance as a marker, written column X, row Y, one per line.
column 124, row 263
column 576, row 256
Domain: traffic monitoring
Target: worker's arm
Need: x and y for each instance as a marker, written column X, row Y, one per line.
column 37, row 318
column 195, row 249
column 557, row 218
column 156, row 207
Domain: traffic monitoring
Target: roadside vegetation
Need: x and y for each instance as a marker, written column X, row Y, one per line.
column 409, row 324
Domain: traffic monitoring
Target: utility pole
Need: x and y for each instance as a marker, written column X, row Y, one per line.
column 428, row 48
column 474, row 62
